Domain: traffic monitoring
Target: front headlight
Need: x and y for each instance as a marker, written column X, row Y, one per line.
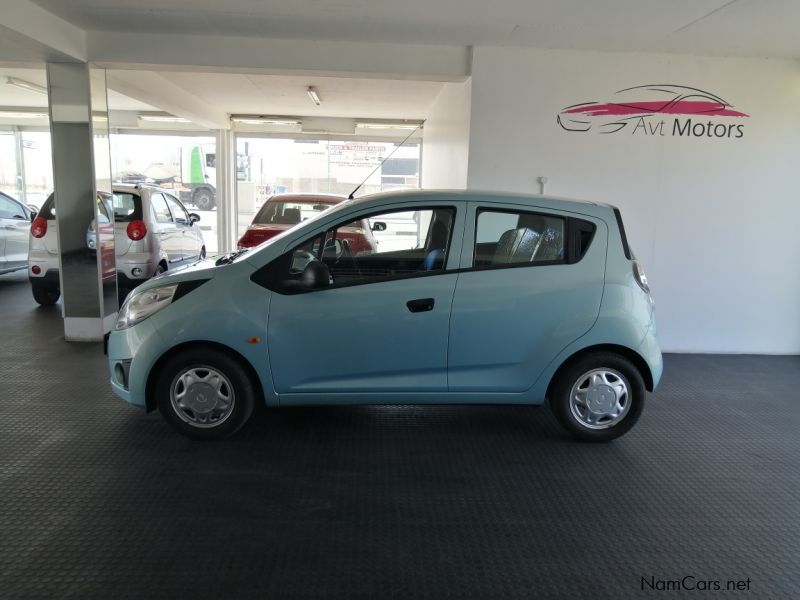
column 143, row 304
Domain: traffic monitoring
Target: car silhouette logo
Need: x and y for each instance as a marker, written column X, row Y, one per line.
column 642, row 101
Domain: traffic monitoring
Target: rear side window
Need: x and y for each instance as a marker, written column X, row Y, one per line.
column 127, row 207
column 517, row 238
column 48, row 210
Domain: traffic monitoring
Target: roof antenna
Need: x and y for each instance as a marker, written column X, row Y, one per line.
column 358, row 187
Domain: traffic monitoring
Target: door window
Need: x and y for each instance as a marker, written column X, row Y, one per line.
column 160, row 208
column 409, row 244
column 10, row 209
column 177, row 210
column 511, row 238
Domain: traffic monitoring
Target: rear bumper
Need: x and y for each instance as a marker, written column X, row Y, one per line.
column 48, row 279
column 651, row 352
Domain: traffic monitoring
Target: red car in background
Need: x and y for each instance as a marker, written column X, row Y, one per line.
column 284, row 211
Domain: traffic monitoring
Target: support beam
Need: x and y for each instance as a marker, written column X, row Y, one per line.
column 28, row 30
column 272, row 56
column 156, row 90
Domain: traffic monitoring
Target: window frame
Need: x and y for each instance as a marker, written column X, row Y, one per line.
column 185, row 213
column 155, row 212
column 262, row 276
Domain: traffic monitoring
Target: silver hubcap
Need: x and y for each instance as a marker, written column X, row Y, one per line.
column 600, row 399
column 202, row 397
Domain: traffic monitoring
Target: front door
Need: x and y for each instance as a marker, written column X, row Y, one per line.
column 379, row 326
column 522, row 296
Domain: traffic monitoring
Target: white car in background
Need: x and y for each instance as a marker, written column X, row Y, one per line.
column 153, row 233
column 15, row 220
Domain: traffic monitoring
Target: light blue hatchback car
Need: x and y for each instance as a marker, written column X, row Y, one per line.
column 469, row 298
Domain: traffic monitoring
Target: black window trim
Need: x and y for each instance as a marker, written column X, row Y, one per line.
column 444, row 271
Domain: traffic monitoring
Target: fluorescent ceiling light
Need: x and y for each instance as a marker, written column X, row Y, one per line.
column 259, row 120
column 410, row 126
column 7, row 114
column 314, row 95
column 163, row 119
column 26, row 85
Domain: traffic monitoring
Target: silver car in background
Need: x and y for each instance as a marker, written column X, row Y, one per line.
column 153, row 233
column 15, row 221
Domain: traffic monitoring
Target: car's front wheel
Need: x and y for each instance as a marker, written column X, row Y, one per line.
column 599, row 397
column 203, row 393
column 46, row 296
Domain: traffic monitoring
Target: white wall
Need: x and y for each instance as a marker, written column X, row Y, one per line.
column 446, row 138
column 715, row 221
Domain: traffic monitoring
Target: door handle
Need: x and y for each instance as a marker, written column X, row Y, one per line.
column 420, row 305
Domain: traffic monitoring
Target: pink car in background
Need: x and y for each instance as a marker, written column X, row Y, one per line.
column 284, row 211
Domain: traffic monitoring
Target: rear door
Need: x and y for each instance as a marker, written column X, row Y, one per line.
column 15, row 223
column 170, row 237
column 524, row 293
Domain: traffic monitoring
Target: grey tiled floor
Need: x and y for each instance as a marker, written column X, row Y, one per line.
column 98, row 500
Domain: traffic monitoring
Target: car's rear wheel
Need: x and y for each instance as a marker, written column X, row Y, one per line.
column 203, row 393
column 598, row 397
column 46, row 296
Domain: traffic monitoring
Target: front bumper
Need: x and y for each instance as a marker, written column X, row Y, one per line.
column 131, row 354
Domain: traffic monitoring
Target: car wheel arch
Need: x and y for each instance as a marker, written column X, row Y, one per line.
column 152, row 376
column 628, row 353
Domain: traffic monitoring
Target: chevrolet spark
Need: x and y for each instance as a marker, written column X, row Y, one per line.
column 468, row 298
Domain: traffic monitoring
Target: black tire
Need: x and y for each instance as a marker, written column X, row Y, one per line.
column 203, row 198
column 242, row 388
column 46, row 296
column 569, row 376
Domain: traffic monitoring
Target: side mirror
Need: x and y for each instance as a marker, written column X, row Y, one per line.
column 378, row 226
column 193, row 218
column 33, row 215
column 316, row 275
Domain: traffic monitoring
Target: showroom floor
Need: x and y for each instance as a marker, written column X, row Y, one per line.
column 98, row 500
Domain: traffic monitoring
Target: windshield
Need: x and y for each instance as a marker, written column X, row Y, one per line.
column 277, row 212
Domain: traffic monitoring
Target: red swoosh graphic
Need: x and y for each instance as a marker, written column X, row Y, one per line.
column 681, row 107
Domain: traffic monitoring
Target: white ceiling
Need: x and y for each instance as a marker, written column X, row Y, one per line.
column 286, row 95
column 721, row 27
column 14, row 96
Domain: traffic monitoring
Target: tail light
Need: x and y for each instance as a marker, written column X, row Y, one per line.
column 136, row 230
column 39, row 227
column 254, row 238
column 639, row 276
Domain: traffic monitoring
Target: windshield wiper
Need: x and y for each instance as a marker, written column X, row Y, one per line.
column 229, row 258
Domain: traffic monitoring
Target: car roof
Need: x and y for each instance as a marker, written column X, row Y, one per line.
column 482, row 196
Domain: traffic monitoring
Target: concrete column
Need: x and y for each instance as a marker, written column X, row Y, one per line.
column 82, row 183
column 227, row 210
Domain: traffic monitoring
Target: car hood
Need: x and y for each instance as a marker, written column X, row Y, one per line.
column 203, row 269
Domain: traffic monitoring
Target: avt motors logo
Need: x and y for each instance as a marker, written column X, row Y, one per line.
column 657, row 110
